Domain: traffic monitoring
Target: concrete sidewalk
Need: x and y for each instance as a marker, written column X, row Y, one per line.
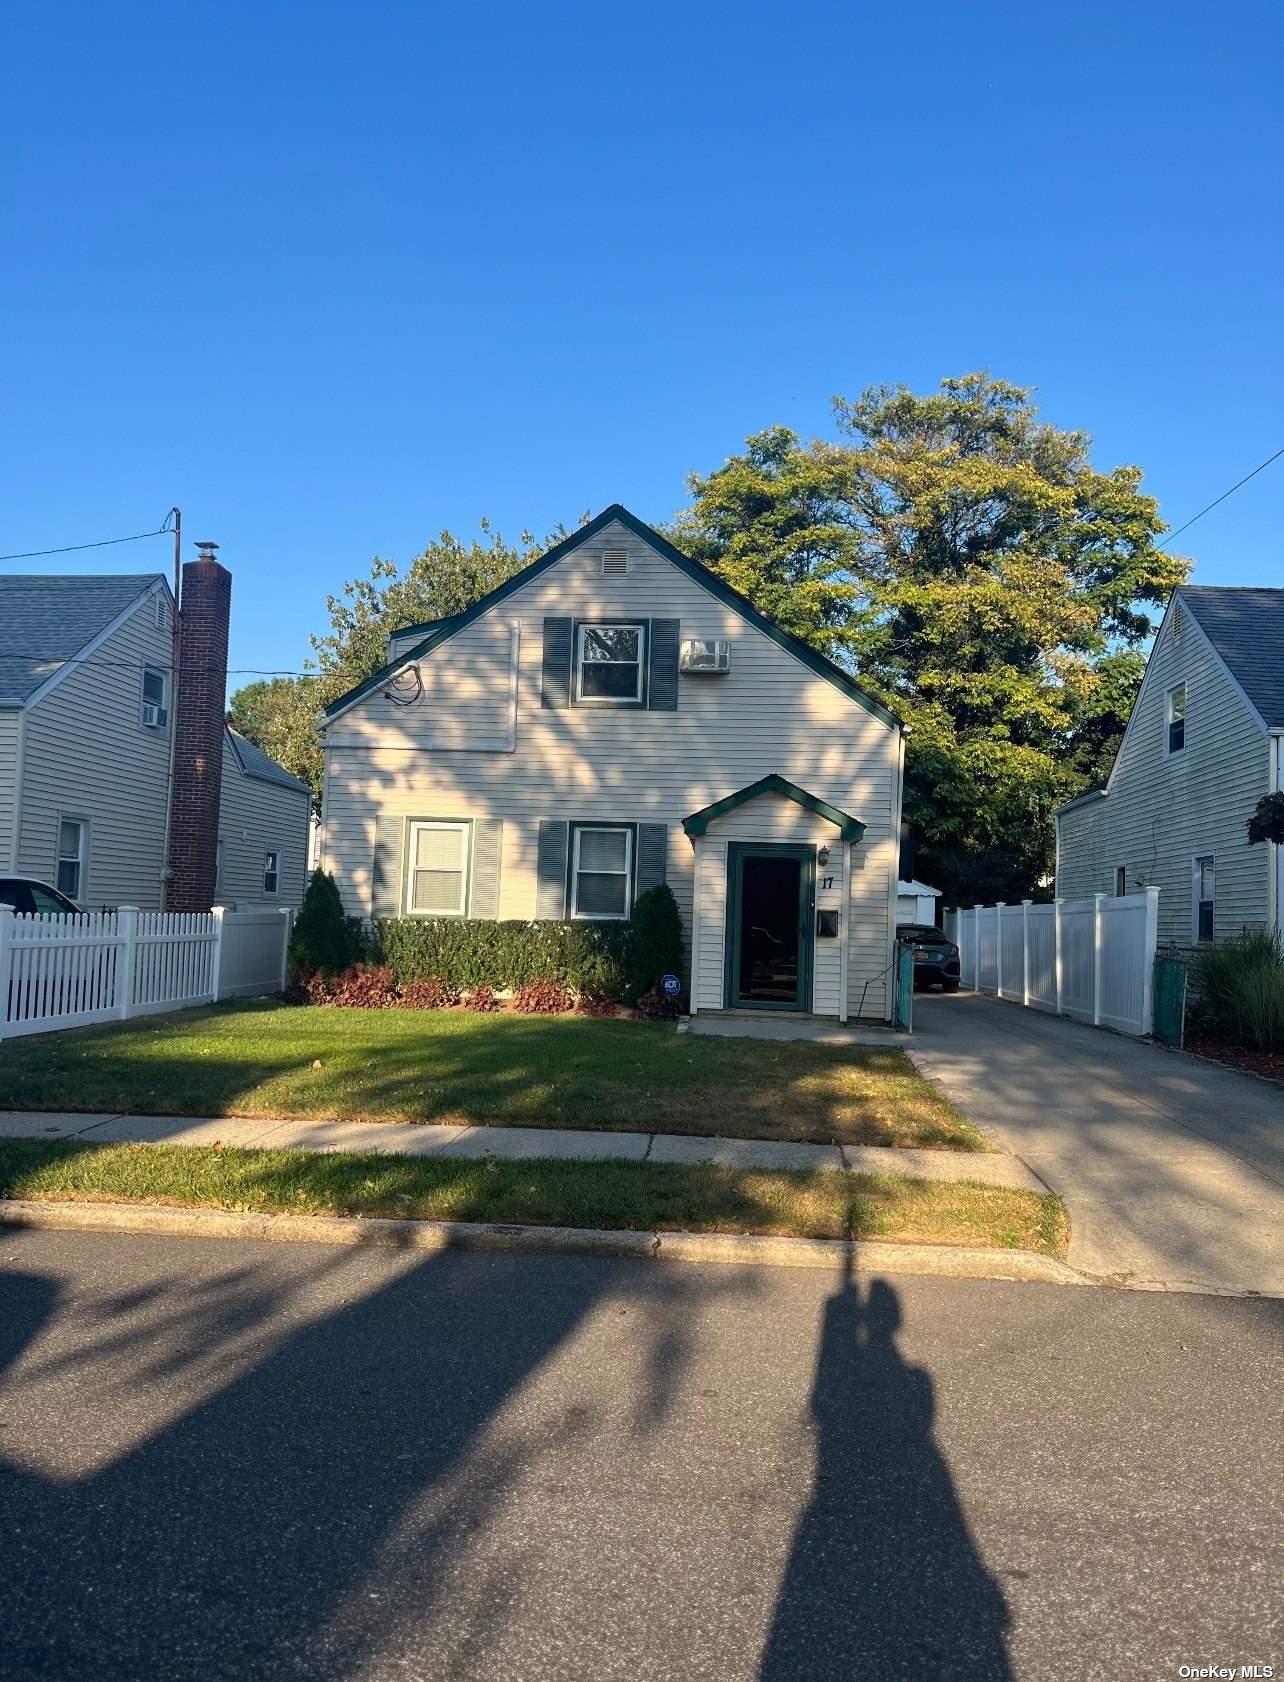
column 1172, row 1169
column 517, row 1144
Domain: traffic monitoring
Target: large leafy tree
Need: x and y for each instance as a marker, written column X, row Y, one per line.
column 971, row 566
column 283, row 714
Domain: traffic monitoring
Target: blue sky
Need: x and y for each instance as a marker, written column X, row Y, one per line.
column 332, row 278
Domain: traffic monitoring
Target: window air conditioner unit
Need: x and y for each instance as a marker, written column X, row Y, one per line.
column 699, row 656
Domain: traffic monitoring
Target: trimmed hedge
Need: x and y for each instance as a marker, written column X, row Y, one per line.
column 604, row 960
column 586, row 957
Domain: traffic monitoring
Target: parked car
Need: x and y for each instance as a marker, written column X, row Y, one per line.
column 936, row 957
column 25, row 894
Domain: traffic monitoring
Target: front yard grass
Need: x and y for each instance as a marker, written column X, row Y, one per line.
column 636, row 1196
column 313, row 1063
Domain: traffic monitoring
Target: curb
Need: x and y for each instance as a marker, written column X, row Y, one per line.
column 942, row 1261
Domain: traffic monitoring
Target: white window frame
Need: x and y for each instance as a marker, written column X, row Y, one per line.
column 638, row 698
column 465, row 876
column 626, row 831
column 1170, row 694
column 160, row 722
column 80, row 858
column 272, row 853
column 1197, row 861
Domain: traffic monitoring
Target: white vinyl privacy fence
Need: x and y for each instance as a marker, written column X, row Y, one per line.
column 1093, row 959
column 103, row 966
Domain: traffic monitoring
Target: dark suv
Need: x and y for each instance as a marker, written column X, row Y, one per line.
column 936, row 958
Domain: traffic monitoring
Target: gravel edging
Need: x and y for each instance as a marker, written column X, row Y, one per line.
column 943, row 1260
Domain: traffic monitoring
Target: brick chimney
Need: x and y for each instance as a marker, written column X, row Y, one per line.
column 198, row 732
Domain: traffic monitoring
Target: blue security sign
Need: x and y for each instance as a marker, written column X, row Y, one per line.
column 671, row 986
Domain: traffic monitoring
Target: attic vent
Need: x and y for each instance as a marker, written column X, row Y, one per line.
column 1177, row 623
column 615, row 563
column 159, row 616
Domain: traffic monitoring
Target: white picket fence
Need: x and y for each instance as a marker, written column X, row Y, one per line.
column 1093, row 959
column 102, row 966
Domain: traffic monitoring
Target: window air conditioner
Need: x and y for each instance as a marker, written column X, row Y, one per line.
column 700, row 656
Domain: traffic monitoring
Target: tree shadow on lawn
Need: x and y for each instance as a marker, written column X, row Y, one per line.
column 523, row 1071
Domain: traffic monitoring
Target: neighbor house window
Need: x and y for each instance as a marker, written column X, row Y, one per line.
column 437, row 880
column 1175, row 719
column 71, row 857
column 1205, row 896
column 609, row 663
column 155, row 698
column 601, row 871
column 271, row 870
column 1121, row 881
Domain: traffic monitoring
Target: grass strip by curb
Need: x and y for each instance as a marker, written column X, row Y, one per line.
column 616, row 1196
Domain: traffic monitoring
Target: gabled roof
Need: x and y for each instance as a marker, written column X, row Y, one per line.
column 851, row 829
column 255, row 763
column 441, row 630
column 46, row 620
column 1246, row 627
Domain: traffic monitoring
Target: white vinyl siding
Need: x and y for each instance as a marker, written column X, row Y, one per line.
column 10, row 764
column 87, row 752
column 770, row 713
column 257, row 817
column 1165, row 809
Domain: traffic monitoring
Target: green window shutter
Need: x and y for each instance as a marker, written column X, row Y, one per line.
column 550, row 899
column 556, row 687
column 483, row 897
column 662, row 691
column 653, row 842
column 385, row 878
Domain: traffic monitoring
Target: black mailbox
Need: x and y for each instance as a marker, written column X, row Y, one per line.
column 827, row 925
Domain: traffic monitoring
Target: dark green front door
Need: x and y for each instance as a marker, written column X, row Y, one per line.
column 770, row 917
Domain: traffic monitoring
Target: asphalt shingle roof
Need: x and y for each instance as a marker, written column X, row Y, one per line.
column 1246, row 627
column 255, row 763
column 45, row 621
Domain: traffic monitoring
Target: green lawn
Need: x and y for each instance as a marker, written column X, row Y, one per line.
column 635, row 1196
column 257, row 1058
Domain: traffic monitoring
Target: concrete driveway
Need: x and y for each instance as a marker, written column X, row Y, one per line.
column 1173, row 1170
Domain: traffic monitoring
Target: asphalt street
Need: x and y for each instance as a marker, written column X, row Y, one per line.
column 223, row 1460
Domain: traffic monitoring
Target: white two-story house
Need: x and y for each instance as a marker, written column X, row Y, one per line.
column 1203, row 745
column 612, row 717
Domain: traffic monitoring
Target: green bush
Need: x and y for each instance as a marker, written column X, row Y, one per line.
column 1238, row 991
column 586, row 957
column 324, row 940
column 656, row 947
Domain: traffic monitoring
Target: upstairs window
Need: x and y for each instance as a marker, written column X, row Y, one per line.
column 1205, row 896
column 609, row 664
column 271, row 871
column 601, row 871
column 1175, row 719
column 155, row 698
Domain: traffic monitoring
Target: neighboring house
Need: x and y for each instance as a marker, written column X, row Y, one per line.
column 612, row 717
column 1203, row 745
column 92, row 742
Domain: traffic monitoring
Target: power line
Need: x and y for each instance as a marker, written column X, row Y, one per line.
column 1168, row 536
column 101, row 543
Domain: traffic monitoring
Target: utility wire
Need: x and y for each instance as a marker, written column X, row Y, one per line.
column 102, row 543
column 1168, row 536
